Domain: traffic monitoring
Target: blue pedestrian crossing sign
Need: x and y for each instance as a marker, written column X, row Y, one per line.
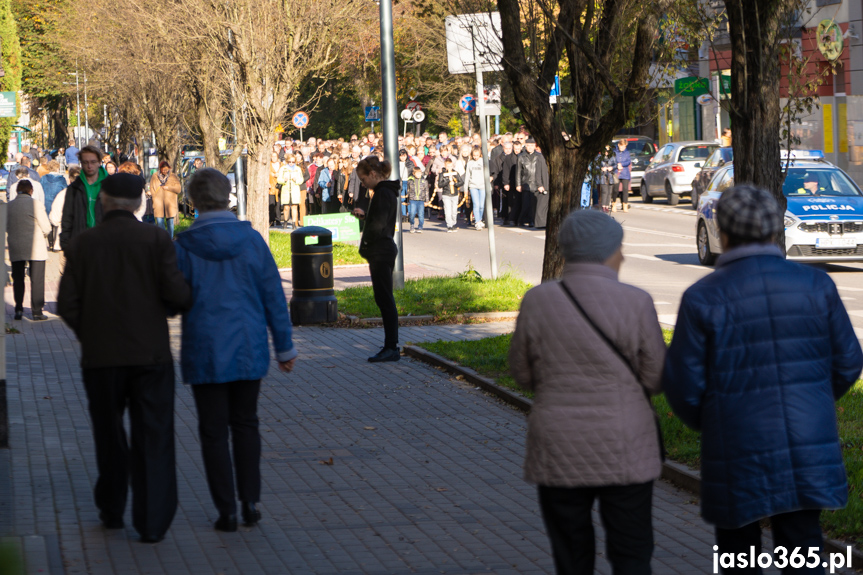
column 467, row 103
column 300, row 120
column 373, row 113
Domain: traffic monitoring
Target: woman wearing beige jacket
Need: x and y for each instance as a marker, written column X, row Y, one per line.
column 592, row 432
column 27, row 228
column 164, row 189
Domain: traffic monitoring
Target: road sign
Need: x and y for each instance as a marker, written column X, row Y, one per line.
column 279, row 129
column 467, row 103
column 406, row 115
column 300, row 120
column 419, row 116
column 7, row 104
column 414, row 106
column 373, row 113
column 412, row 93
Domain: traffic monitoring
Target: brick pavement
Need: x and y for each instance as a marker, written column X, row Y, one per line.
column 425, row 475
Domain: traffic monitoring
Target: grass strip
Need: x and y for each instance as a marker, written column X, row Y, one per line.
column 280, row 246
column 441, row 297
column 489, row 357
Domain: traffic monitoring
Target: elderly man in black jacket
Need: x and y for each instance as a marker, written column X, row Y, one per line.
column 120, row 284
column 531, row 179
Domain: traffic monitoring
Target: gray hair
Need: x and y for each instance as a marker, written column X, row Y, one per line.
column 210, row 190
column 111, row 203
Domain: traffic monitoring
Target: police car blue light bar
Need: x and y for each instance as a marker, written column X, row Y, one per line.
column 801, row 154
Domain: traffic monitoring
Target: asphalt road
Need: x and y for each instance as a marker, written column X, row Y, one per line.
column 658, row 244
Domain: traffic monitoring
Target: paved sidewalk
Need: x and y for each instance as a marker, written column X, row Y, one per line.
column 393, row 468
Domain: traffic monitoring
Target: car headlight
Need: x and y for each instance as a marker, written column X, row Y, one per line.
column 790, row 219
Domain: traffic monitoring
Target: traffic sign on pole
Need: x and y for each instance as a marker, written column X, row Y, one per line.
column 412, row 93
column 373, row 113
column 413, row 106
column 300, row 120
column 467, row 103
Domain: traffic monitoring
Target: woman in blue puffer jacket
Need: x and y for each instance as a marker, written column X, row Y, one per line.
column 237, row 294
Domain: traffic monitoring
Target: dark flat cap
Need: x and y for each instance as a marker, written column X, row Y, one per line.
column 123, row 185
column 749, row 213
column 530, row 140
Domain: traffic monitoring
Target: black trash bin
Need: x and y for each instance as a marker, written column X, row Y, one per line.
column 313, row 299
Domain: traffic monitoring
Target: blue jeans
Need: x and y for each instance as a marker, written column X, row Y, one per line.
column 477, row 198
column 417, row 208
column 404, row 197
column 161, row 223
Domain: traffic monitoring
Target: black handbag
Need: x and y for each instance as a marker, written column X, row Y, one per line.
column 622, row 358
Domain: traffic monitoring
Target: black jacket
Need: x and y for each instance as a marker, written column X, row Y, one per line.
column 74, row 220
column 495, row 167
column 120, row 284
column 508, row 164
column 380, row 222
column 443, row 183
column 531, row 172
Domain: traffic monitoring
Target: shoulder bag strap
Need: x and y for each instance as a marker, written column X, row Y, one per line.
column 625, row 361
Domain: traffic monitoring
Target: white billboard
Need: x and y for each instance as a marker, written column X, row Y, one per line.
column 469, row 34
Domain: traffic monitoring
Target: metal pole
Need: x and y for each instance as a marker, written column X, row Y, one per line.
column 489, row 207
column 497, row 125
column 86, row 112
column 105, row 124
column 390, row 122
column 77, row 109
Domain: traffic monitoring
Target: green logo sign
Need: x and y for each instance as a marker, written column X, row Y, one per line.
column 344, row 226
column 7, row 105
column 692, row 86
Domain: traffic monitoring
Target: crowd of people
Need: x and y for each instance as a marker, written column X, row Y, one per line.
column 443, row 175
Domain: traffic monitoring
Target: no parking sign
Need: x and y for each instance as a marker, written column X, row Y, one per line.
column 300, row 120
column 467, row 103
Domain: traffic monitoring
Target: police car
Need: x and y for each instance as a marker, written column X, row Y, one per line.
column 823, row 221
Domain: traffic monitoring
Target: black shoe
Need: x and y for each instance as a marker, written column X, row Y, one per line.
column 251, row 514
column 39, row 317
column 109, row 522
column 19, row 314
column 386, row 354
column 150, row 538
column 226, row 523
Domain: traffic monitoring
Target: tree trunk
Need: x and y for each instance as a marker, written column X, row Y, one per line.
column 257, row 192
column 566, row 171
column 755, row 29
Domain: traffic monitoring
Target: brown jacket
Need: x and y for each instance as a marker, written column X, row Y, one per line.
column 165, row 197
column 120, row 284
column 591, row 424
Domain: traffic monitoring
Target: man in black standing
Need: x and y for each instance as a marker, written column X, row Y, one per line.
column 120, row 284
column 497, row 184
column 509, row 163
column 531, row 179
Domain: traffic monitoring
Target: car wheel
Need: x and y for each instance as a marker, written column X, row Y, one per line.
column 705, row 256
column 695, row 195
column 673, row 199
column 645, row 197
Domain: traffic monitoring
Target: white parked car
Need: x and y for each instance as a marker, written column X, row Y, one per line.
column 672, row 170
column 823, row 220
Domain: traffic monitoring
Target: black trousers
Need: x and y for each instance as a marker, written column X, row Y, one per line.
column 514, row 205
column 624, row 191
column 528, row 203
column 149, row 393
column 37, row 285
column 626, row 514
column 796, row 529
column 274, row 209
column 381, row 270
column 540, row 209
column 233, row 407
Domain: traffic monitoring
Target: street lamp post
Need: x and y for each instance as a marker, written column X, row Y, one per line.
column 77, row 107
column 390, row 124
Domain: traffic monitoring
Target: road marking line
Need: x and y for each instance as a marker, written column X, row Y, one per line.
column 856, row 313
column 846, row 298
column 691, row 213
column 643, row 257
column 637, row 244
column 657, row 233
column 670, row 318
column 849, row 288
column 662, row 303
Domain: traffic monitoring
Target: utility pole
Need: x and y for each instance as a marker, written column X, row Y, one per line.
column 105, row 125
column 86, row 112
column 77, row 107
column 483, row 131
column 390, row 125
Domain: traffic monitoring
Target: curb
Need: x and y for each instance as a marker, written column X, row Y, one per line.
column 676, row 473
column 411, row 319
